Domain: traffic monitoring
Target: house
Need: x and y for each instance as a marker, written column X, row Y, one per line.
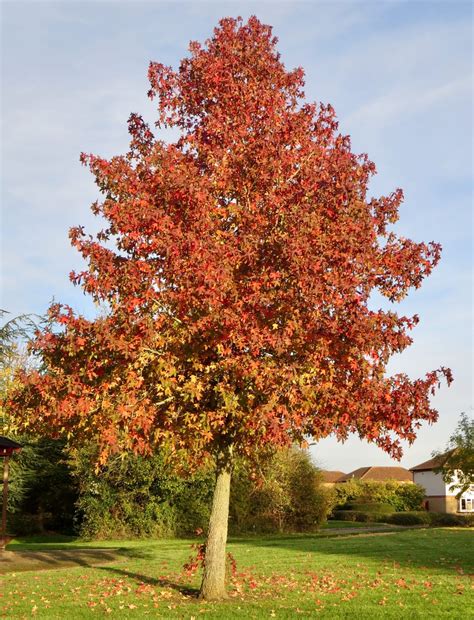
column 331, row 477
column 440, row 496
column 378, row 474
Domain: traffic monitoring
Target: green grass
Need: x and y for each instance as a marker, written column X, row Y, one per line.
column 405, row 574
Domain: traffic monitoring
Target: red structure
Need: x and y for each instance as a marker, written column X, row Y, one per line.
column 7, row 448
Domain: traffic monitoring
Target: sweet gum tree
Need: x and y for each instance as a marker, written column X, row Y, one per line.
column 237, row 265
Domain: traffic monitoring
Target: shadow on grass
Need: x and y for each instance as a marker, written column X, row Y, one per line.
column 162, row 582
column 440, row 549
column 43, row 559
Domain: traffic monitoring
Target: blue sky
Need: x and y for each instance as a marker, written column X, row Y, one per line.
column 399, row 75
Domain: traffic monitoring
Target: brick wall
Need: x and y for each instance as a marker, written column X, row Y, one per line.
column 440, row 503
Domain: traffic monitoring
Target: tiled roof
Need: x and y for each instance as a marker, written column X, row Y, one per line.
column 379, row 474
column 437, row 461
column 332, row 476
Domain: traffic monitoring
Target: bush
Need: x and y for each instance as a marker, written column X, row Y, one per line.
column 140, row 497
column 451, row 520
column 21, row 524
column 143, row 497
column 359, row 516
column 377, row 507
column 409, row 518
column 135, row 497
column 344, row 515
column 286, row 496
column 406, row 518
column 409, row 497
column 400, row 496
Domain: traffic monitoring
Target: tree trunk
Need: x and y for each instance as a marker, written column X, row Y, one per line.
column 213, row 582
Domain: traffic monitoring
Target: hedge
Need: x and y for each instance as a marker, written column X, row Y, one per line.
column 378, row 507
column 401, row 496
column 358, row 515
column 441, row 519
column 414, row 517
column 409, row 518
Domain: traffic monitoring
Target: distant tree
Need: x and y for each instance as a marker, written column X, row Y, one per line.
column 285, row 494
column 14, row 332
column 457, row 461
column 41, row 482
column 237, row 265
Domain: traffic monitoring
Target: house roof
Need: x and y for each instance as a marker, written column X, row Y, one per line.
column 8, row 446
column 9, row 443
column 437, row 461
column 332, row 476
column 379, row 474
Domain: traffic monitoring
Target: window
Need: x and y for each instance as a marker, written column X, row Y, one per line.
column 466, row 505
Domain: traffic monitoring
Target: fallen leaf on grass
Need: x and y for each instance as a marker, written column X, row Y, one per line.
column 349, row 596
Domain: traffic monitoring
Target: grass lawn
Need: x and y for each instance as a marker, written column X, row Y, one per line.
column 404, row 574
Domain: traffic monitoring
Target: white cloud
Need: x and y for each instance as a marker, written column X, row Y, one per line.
column 397, row 105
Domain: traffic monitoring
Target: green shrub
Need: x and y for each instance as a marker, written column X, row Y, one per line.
column 410, row 497
column 144, row 497
column 377, row 507
column 364, row 517
column 358, row 515
column 21, row 524
column 344, row 515
column 439, row 519
column 286, row 496
column 409, row 518
column 400, row 496
column 138, row 497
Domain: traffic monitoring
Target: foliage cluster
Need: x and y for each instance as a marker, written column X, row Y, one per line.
column 413, row 517
column 286, row 496
column 400, row 496
column 237, row 265
column 138, row 497
column 378, row 507
column 442, row 519
column 360, row 516
column 43, row 490
column 458, row 461
column 134, row 496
